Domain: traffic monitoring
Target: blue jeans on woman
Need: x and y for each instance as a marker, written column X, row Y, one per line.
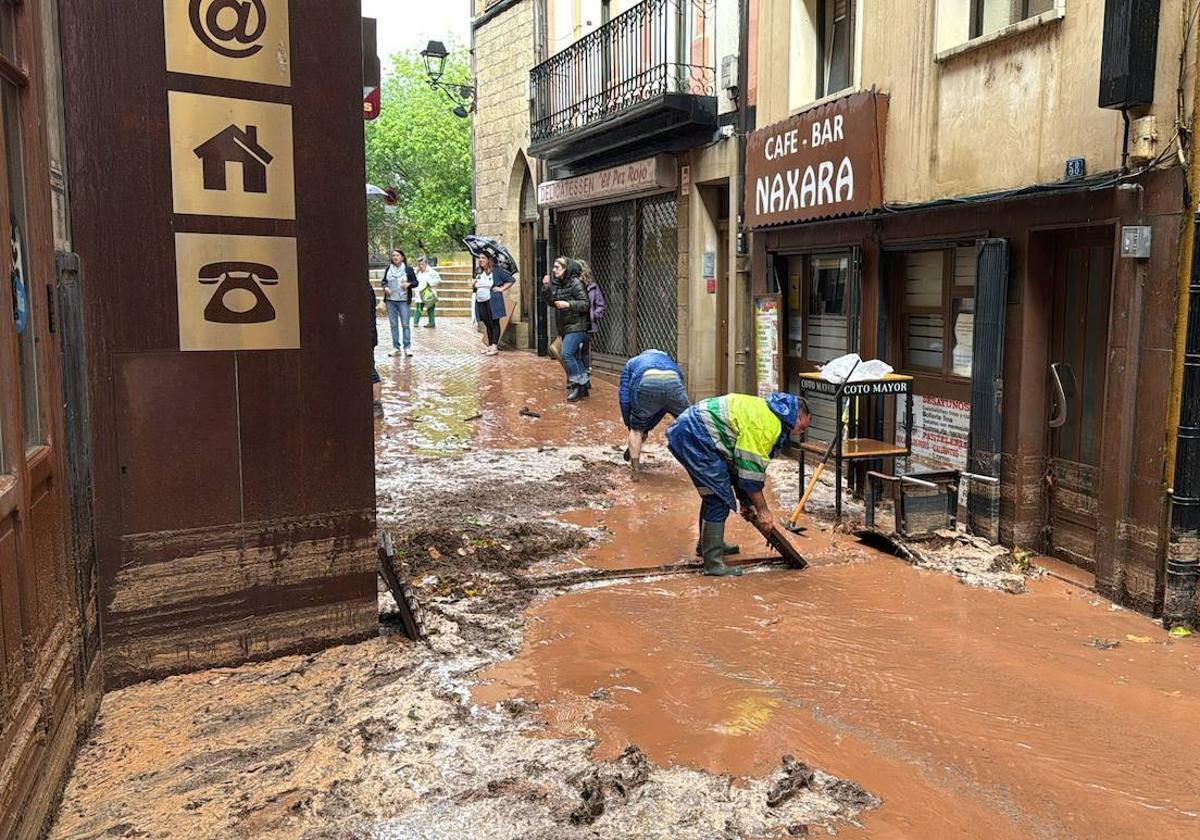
column 399, row 315
column 572, row 351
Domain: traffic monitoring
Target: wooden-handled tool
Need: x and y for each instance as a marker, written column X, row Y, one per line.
column 790, row 523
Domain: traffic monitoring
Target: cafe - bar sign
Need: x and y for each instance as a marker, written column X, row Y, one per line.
column 656, row 174
column 824, row 162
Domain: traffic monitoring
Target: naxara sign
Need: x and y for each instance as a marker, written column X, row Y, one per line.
column 821, row 163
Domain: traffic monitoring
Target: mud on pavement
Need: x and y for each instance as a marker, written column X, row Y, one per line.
column 382, row 739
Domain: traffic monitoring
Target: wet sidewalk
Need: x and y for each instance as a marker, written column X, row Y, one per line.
column 970, row 713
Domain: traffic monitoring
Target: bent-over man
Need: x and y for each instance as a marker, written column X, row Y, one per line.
column 725, row 444
column 651, row 387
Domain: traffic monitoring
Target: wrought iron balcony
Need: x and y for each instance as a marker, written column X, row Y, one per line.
column 657, row 54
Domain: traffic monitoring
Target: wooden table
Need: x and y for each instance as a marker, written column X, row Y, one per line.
column 850, row 446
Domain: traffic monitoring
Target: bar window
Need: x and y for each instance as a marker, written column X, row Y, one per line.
column 936, row 306
column 835, row 47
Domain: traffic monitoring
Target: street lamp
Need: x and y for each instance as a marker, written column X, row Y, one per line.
column 463, row 96
column 435, row 56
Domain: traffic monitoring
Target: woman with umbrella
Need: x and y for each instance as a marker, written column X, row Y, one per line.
column 493, row 280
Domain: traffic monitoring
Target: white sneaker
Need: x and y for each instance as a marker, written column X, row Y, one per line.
column 407, row 351
column 394, row 353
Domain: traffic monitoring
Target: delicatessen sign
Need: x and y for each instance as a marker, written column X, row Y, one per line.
column 656, row 174
column 822, row 163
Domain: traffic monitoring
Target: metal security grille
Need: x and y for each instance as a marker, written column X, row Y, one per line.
column 575, row 234
column 612, row 250
column 632, row 249
column 656, row 297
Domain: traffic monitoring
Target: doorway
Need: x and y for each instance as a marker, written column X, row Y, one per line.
column 722, row 279
column 1077, row 371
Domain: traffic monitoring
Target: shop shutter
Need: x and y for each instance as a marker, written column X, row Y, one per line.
column 854, row 302
column 987, row 382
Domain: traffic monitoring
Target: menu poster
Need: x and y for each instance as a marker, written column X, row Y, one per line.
column 766, row 344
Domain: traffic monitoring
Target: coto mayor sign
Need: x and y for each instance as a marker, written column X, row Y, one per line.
column 654, row 174
column 824, row 162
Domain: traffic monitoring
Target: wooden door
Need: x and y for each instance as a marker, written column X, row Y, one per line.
column 528, row 280
column 38, row 618
column 1076, row 376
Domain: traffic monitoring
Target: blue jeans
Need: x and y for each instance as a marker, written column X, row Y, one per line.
column 398, row 316
column 572, row 351
column 656, row 397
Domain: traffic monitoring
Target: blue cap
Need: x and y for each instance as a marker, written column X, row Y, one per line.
column 786, row 407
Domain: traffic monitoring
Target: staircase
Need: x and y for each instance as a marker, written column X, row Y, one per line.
column 454, row 293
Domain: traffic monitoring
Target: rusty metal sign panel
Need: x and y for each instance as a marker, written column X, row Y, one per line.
column 818, row 164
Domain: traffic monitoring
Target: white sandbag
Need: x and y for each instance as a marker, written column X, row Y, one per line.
column 837, row 369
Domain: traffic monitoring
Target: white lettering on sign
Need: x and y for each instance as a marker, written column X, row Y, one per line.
column 814, row 186
column 827, row 131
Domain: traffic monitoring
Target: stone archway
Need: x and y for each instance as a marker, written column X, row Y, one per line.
column 520, row 232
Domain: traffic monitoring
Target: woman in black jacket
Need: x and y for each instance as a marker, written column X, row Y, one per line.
column 565, row 292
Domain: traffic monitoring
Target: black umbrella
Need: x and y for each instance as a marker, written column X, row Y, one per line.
column 479, row 244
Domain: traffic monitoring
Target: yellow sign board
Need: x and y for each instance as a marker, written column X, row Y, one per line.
column 237, row 292
column 229, row 39
column 231, row 157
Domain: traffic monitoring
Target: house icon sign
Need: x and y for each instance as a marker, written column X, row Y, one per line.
column 235, row 145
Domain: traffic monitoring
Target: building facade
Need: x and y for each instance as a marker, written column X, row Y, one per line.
column 631, row 112
column 936, row 184
column 506, row 37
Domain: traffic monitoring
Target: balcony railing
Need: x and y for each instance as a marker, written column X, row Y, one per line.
column 656, row 48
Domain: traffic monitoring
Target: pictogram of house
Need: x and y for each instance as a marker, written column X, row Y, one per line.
column 233, row 145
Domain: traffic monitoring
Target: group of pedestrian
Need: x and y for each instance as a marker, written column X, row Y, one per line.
column 409, row 295
column 578, row 301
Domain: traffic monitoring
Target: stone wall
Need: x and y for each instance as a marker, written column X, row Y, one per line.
column 504, row 55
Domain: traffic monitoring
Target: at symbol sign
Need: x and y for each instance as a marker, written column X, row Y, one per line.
column 243, row 22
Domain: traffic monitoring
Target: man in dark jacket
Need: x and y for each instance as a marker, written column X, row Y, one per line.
column 572, row 307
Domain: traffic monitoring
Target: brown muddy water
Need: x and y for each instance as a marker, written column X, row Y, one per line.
column 971, row 713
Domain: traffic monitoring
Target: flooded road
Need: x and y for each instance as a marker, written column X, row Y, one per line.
column 970, row 713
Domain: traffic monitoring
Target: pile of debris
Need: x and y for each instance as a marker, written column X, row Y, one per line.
column 973, row 560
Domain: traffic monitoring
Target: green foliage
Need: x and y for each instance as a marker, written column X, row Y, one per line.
column 421, row 149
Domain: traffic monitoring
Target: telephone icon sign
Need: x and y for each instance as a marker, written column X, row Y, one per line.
column 241, row 279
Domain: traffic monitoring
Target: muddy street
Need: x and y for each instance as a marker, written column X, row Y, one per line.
column 563, row 692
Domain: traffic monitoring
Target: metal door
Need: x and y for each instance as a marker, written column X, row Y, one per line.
column 1076, row 375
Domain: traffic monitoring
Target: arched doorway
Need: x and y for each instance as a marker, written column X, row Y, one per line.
column 528, row 221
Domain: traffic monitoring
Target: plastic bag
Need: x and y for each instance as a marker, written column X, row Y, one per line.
column 838, row 369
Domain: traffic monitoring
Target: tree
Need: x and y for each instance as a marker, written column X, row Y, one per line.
column 422, row 150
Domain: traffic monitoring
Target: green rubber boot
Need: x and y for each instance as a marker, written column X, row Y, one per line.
column 712, row 544
column 726, row 548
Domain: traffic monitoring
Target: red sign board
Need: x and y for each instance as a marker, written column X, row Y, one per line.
column 371, row 103
column 821, row 163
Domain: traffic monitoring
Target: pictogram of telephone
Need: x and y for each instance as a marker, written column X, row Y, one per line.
column 233, row 276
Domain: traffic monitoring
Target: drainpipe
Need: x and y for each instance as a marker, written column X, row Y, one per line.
column 1183, row 550
column 741, row 374
column 1183, row 407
